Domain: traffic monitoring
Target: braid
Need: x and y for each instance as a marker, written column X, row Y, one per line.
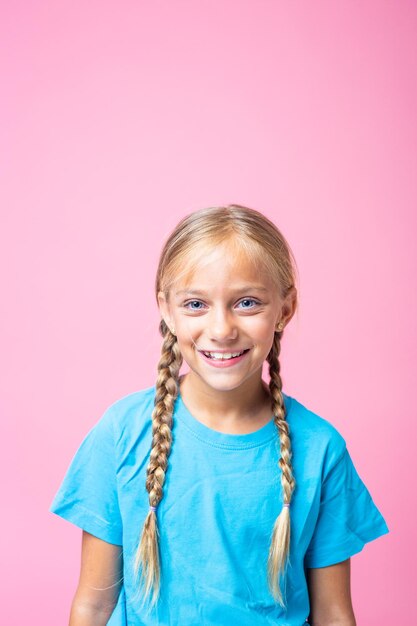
column 280, row 542
column 147, row 555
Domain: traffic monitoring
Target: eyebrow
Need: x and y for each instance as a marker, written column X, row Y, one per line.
column 199, row 292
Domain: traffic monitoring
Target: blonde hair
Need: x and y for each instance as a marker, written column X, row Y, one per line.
column 264, row 244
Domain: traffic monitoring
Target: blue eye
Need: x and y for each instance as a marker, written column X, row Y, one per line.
column 197, row 305
column 186, row 305
column 248, row 300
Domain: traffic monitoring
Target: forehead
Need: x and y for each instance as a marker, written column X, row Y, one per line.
column 225, row 266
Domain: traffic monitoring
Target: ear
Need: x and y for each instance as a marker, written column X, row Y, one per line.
column 164, row 309
column 288, row 307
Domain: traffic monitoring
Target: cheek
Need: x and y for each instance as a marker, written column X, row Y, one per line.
column 261, row 328
column 188, row 327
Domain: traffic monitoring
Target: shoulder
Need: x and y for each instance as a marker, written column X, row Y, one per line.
column 312, row 434
column 130, row 415
column 137, row 400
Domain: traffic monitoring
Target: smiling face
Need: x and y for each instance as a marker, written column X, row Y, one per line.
column 224, row 315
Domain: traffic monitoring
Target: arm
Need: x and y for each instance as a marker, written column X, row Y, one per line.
column 100, row 582
column 330, row 599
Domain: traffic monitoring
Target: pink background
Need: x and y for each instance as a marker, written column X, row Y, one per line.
column 118, row 118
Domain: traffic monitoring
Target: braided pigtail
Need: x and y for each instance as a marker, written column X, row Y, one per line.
column 280, row 542
column 147, row 555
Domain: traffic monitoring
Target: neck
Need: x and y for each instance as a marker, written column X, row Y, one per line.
column 236, row 410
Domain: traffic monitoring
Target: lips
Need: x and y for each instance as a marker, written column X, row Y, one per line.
column 222, row 356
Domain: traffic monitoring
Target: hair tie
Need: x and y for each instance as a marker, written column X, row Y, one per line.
column 152, row 508
column 287, row 504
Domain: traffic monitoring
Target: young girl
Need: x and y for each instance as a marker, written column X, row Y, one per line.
column 214, row 498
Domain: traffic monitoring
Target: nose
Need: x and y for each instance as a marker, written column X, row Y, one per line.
column 221, row 325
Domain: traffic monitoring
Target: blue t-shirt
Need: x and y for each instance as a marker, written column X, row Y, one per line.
column 222, row 494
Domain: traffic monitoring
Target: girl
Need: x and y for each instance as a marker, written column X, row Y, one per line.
column 213, row 498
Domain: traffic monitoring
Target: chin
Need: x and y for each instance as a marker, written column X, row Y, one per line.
column 222, row 382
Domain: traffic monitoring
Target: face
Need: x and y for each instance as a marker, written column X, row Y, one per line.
column 224, row 318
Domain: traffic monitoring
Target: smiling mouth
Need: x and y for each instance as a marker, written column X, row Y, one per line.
column 223, row 356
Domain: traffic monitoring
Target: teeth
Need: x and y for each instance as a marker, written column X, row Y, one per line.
column 222, row 356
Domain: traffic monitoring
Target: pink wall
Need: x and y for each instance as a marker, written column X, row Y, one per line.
column 120, row 117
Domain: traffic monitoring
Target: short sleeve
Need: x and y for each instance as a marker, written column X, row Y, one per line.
column 88, row 495
column 347, row 519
